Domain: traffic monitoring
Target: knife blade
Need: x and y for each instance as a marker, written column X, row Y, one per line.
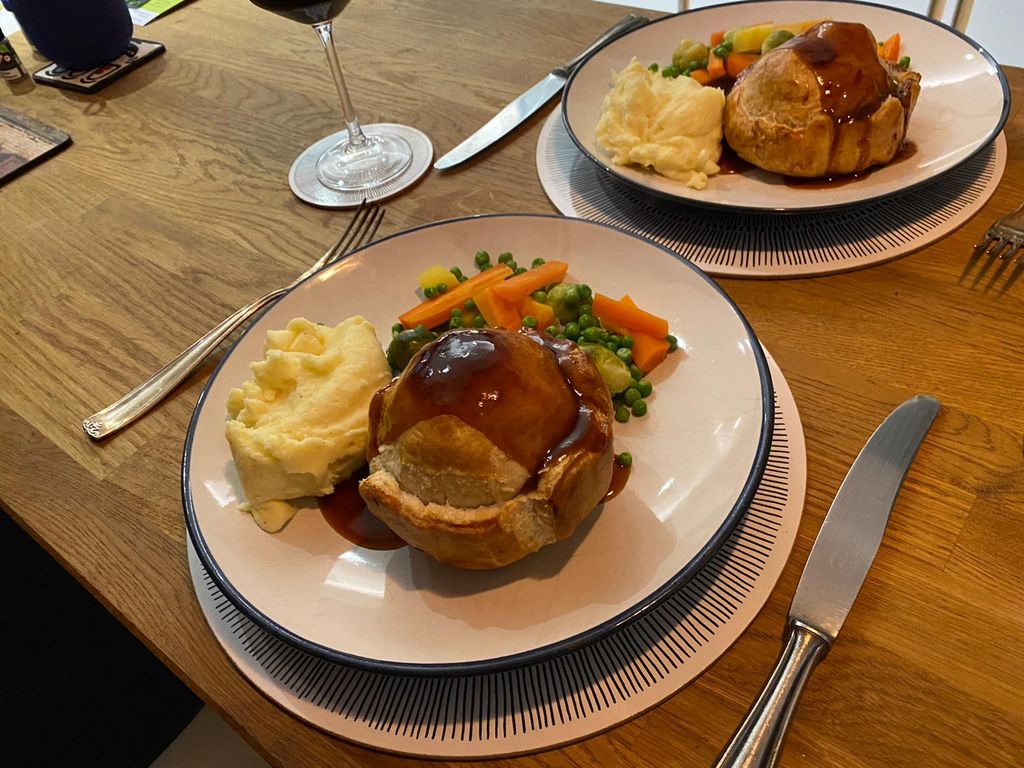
column 533, row 98
column 833, row 575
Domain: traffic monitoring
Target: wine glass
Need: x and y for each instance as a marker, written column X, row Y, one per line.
column 365, row 158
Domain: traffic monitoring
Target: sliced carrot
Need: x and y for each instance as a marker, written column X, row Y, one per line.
column 737, row 62
column 648, row 351
column 532, row 280
column 716, row 66
column 891, row 48
column 544, row 314
column 433, row 312
column 701, row 76
column 497, row 311
column 621, row 313
column 717, row 37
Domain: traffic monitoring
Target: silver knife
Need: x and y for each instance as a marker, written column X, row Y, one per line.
column 835, row 570
column 533, row 99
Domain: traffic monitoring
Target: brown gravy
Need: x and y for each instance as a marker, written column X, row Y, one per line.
column 346, row 513
column 620, row 474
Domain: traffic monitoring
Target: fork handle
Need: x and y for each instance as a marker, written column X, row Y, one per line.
column 144, row 397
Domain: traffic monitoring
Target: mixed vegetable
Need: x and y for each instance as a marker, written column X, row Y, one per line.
column 625, row 342
column 731, row 51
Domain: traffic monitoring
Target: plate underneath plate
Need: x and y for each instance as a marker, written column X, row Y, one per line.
column 565, row 699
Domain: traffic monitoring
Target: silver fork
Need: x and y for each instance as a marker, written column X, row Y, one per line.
column 360, row 230
column 1005, row 238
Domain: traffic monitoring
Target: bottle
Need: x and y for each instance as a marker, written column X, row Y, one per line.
column 10, row 64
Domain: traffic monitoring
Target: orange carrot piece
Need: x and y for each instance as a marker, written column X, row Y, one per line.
column 648, row 352
column 545, row 315
column 497, row 311
column 891, row 48
column 532, row 280
column 620, row 313
column 433, row 312
column 737, row 62
column 716, row 66
column 701, row 76
column 717, row 37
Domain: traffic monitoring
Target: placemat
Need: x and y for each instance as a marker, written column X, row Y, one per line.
column 769, row 245
column 565, row 699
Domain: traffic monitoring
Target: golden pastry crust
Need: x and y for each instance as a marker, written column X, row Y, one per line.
column 447, row 488
column 777, row 116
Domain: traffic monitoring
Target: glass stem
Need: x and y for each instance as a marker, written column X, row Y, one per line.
column 356, row 137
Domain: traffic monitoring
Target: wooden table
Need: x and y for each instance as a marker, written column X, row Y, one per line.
column 172, row 208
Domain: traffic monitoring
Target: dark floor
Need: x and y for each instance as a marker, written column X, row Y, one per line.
column 76, row 688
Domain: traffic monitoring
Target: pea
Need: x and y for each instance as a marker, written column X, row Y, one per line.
column 628, row 342
column 552, row 330
column 505, row 258
column 572, row 331
column 905, row 62
column 592, row 334
column 479, row 322
column 622, row 414
column 586, row 295
column 572, row 295
column 645, row 387
column 481, row 258
column 397, row 328
column 624, row 354
column 519, row 270
column 457, row 272
column 540, row 297
column 529, row 321
column 462, row 278
column 456, row 322
column 560, row 336
column 617, row 339
column 723, row 49
column 635, row 372
column 631, row 395
column 456, row 312
column 430, row 292
column 585, row 309
column 588, row 321
column 536, row 262
column 469, row 304
column 442, row 288
column 421, row 329
column 639, row 408
column 611, row 346
column 653, row 67
column 673, row 343
column 625, row 459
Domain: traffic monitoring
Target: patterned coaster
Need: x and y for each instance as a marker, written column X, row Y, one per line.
column 570, row 697
column 769, row 245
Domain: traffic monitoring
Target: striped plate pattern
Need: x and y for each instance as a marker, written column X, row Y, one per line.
column 560, row 700
column 745, row 243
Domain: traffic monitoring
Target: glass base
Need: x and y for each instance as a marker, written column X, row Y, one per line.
column 382, row 157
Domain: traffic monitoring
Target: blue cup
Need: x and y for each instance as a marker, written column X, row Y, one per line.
column 75, row 34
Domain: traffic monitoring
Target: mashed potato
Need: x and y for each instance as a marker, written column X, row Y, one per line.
column 673, row 125
column 302, row 423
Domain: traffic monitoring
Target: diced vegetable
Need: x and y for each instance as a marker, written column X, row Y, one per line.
column 614, row 372
column 621, row 313
column 716, row 66
column 701, row 76
column 717, row 37
column 529, row 306
column 891, row 48
column 689, row 55
column 496, row 311
column 648, row 351
column 750, row 39
column 532, row 280
column 799, row 27
column 407, row 343
column 431, row 277
column 434, row 312
column 737, row 62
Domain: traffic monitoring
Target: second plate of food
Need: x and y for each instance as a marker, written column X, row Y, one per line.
column 697, row 456
column 962, row 104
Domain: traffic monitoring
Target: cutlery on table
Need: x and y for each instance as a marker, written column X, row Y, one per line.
column 1005, row 238
column 835, row 570
column 360, row 230
column 533, row 99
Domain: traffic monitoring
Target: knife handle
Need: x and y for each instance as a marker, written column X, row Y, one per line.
column 758, row 741
column 627, row 23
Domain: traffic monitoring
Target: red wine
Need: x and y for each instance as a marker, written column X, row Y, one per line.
column 304, row 11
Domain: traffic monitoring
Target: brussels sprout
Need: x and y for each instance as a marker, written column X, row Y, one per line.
column 406, row 344
column 688, row 55
column 614, row 372
column 565, row 301
column 775, row 39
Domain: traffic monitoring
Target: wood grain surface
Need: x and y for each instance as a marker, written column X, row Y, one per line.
column 172, row 208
